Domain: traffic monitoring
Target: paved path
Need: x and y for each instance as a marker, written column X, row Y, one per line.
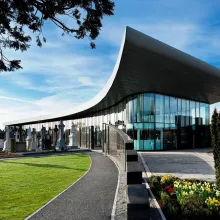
column 90, row 198
column 196, row 163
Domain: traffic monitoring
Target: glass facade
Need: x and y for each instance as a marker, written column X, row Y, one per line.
column 153, row 121
column 159, row 122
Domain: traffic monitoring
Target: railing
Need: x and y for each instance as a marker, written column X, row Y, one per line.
column 115, row 142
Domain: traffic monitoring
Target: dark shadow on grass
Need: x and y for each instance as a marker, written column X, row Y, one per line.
column 43, row 165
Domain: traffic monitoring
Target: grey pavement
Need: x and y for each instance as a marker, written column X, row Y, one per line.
column 193, row 163
column 90, row 198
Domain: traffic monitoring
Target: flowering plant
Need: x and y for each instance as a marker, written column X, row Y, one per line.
column 213, row 203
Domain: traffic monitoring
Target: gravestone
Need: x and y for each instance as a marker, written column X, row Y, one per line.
column 48, row 140
column 42, row 140
column 55, row 135
column 72, row 136
column 34, row 140
column 7, row 139
column 38, row 142
column 29, row 140
column 61, row 142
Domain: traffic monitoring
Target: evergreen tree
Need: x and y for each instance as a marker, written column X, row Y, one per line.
column 217, row 152
column 215, row 129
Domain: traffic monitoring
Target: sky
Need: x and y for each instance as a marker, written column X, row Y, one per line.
column 66, row 72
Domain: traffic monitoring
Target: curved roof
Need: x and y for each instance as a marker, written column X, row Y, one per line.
column 145, row 64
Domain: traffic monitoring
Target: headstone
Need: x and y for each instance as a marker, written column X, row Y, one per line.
column 20, row 133
column 72, row 136
column 60, row 142
column 34, row 140
column 42, row 140
column 55, row 135
column 17, row 136
column 29, row 140
column 7, row 139
column 48, row 140
column 38, row 142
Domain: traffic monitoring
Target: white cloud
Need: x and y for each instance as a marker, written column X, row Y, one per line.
column 86, row 81
column 16, row 99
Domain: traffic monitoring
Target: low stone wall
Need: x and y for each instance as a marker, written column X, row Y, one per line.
column 20, row 146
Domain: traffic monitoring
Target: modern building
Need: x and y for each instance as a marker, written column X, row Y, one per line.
column 159, row 95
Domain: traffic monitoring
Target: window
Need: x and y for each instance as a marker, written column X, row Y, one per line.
column 149, row 108
column 159, row 111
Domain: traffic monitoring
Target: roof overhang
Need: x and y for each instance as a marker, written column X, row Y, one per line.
column 147, row 65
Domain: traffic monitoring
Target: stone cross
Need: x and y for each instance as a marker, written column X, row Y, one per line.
column 72, row 136
column 34, row 139
column 7, row 139
column 43, row 134
column 29, row 140
column 16, row 136
column 60, row 142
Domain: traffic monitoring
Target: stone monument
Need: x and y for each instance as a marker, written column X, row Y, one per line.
column 38, row 142
column 34, row 139
column 7, row 139
column 72, row 137
column 55, row 135
column 29, row 140
column 42, row 140
column 60, row 145
column 17, row 139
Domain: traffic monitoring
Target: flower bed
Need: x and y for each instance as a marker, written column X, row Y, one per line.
column 186, row 199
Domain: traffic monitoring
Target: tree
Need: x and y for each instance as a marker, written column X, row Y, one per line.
column 215, row 137
column 18, row 15
column 217, row 162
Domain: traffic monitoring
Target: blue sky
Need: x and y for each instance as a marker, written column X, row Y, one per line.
column 66, row 72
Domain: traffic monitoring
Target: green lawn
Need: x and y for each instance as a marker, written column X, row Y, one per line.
column 27, row 184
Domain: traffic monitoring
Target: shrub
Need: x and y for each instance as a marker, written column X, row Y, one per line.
column 165, row 198
column 192, row 207
column 215, row 137
column 156, row 186
column 167, row 180
column 173, row 210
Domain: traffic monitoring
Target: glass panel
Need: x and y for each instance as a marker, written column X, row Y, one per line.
column 148, row 136
column 187, row 113
column 138, row 139
column 183, row 115
column 134, row 115
column 159, row 136
column 192, row 112
column 173, row 109
column 159, row 111
column 139, row 108
column 197, row 110
column 148, row 113
column 130, row 111
column 207, row 120
column 202, row 113
column 166, row 109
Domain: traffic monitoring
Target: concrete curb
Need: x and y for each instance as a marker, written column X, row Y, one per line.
column 116, row 192
column 147, row 173
column 27, row 218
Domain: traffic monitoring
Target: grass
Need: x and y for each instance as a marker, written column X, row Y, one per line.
column 27, row 184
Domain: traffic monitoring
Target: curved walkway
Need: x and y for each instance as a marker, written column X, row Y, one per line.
column 90, row 198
